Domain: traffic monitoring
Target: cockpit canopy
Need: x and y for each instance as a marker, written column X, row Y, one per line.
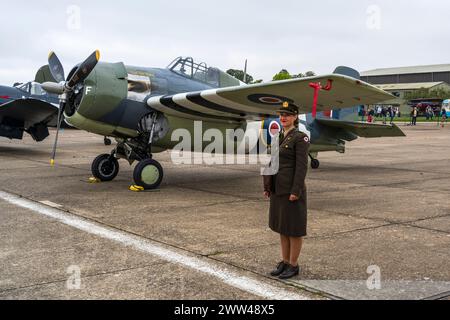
column 32, row 88
column 214, row 77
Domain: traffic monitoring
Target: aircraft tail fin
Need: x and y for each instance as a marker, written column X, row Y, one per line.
column 347, row 71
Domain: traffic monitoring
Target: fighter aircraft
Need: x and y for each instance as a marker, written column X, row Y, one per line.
column 141, row 107
column 28, row 108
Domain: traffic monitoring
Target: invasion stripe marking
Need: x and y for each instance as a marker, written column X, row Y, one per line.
column 198, row 99
column 168, row 102
column 182, row 100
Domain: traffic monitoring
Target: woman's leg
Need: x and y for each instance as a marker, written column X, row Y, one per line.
column 296, row 247
column 285, row 248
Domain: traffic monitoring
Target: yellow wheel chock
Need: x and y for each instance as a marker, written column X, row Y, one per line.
column 136, row 188
column 94, row 180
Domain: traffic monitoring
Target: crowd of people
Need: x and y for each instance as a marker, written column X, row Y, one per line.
column 379, row 111
column 384, row 112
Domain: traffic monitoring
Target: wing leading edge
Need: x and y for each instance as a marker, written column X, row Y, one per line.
column 259, row 101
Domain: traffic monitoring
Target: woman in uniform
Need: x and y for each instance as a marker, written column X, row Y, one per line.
column 287, row 192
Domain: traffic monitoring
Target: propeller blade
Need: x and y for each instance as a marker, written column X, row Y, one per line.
column 52, row 87
column 62, row 106
column 84, row 69
column 56, row 68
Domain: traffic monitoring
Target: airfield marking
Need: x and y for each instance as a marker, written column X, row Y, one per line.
column 228, row 277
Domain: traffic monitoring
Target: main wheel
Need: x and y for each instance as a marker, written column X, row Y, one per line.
column 315, row 164
column 148, row 174
column 105, row 168
column 107, row 141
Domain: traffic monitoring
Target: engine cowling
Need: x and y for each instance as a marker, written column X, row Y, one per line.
column 100, row 95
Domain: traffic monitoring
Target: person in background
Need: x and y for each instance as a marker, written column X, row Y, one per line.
column 362, row 112
column 391, row 113
column 414, row 114
column 370, row 115
column 443, row 116
column 378, row 111
column 384, row 114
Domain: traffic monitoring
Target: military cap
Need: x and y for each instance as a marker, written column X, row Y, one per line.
column 288, row 108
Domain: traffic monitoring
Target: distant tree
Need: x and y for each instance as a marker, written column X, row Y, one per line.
column 427, row 93
column 239, row 74
column 300, row 75
column 282, row 75
column 257, row 81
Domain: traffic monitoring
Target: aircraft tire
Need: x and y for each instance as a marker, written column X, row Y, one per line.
column 105, row 168
column 107, row 141
column 315, row 164
column 148, row 174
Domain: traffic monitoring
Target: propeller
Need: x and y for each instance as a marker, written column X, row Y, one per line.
column 65, row 87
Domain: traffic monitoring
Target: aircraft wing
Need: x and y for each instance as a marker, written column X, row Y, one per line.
column 259, row 101
column 30, row 111
column 363, row 129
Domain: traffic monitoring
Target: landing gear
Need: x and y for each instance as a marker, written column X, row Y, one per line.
column 105, row 167
column 148, row 174
column 315, row 164
column 107, row 141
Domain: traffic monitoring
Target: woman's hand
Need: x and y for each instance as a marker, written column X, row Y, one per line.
column 293, row 198
column 267, row 194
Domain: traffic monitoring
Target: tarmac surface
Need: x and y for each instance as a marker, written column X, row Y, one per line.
column 383, row 208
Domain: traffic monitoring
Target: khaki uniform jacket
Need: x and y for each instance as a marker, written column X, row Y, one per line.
column 293, row 166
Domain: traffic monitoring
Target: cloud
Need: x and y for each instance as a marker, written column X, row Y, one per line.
column 296, row 35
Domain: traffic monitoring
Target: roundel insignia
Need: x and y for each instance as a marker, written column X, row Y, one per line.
column 269, row 99
column 306, row 139
column 274, row 128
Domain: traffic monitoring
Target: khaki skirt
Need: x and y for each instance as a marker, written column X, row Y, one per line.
column 288, row 218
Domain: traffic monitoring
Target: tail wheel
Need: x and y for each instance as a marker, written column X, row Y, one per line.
column 315, row 164
column 148, row 174
column 105, row 168
column 107, row 141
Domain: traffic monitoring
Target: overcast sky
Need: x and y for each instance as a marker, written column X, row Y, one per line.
column 292, row 34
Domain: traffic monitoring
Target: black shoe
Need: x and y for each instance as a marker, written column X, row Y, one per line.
column 279, row 270
column 289, row 272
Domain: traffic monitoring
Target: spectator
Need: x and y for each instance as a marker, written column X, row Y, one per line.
column 384, row 114
column 362, row 112
column 391, row 114
column 370, row 115
column 443, row 116
column 427, row 112
column 378, row 111
column 414, row 114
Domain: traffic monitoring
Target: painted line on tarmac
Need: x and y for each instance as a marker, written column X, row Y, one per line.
column 228, row 277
